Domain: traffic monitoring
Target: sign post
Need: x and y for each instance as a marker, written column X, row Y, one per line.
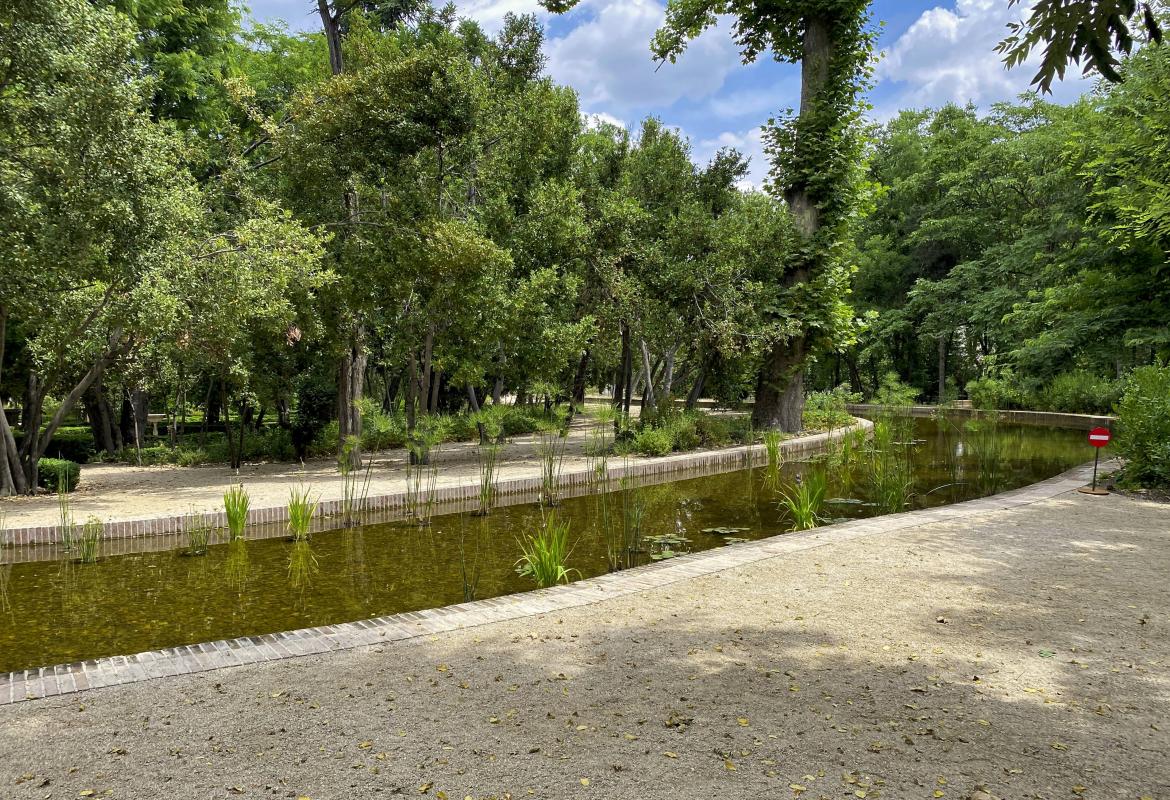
column 1098, row 437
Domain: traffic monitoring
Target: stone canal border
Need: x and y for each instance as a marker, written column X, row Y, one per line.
column 65, row 679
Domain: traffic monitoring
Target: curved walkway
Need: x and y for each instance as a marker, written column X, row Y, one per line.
column 1014, row 646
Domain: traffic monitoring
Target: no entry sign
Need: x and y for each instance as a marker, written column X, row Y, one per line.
column 1099, row 437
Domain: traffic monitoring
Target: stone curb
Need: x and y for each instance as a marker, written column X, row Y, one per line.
column 726, row 460
column 65, row 679
column 1054, row 419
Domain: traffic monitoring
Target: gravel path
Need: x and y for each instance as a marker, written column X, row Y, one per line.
column 1015, row 654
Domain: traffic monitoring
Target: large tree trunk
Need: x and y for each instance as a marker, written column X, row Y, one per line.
column 331, row 23
column 648, row 404
column 780, row 390
column 780, row 387
column 578, row 394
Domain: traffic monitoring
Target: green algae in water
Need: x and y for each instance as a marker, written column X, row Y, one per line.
column 61, row 611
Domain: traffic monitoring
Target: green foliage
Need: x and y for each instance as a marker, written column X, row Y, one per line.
column 654, row 442
column 825, row 411
column 236, row 503
column 804, row 502
column 197, row 531
column 991, row 393
column 302, row 507
column 893, row 392
column 1079, row 392
column 71, row 444
column 544, row 555
column 59, row 475
column 1143, row 420
column 89, row 543
column 1089, row 33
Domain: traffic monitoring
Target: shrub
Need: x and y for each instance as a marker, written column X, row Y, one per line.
column 991, row 394
column 1143, row 416
column 684, row 432
column 73, row 444
column 892, row 392
column 59, row 474
column 1079, row 392
column 653, row 442
column 826, row 410
column 713, row 431
column 382, row 431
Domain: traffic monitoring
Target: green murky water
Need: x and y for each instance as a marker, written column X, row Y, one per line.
column 56, row 611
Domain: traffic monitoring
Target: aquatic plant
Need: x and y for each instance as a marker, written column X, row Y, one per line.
column 985, row 446
column 550, row 450
column 599, row 445
column 488, row 455
column 355, row 483
column 421, row 475
column 469, row 558
column 543, row 555
column 623, row 546
column 236, row 504
column 805, row 500
column 65, row 520
column 301, row 509
column 197, row 530
column 90, row 540
column 774, row 459
column 890, row 469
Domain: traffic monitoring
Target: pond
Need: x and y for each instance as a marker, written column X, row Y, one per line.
column 58, row 611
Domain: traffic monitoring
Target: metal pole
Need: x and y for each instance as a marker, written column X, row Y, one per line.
column 1096, row 456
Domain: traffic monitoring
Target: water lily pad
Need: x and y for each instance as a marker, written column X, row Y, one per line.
column 843, row 501
column 725, row 531
column 665, row 554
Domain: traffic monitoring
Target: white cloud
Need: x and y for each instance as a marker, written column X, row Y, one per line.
column 490, row 13
column 594, row 120
column 948, row 55
column 607, row 59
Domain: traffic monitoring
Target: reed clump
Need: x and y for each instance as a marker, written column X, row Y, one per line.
column 89, row 543
column 197, row 530
column 804, row 502
column 236, row 504
column 544, row 555
column 301, row 510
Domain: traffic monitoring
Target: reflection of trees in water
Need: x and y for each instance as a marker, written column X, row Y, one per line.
column 5, row 577
column 474, row 538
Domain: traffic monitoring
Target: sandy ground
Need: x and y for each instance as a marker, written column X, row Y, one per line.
column 1016, row 654
column 120, row 492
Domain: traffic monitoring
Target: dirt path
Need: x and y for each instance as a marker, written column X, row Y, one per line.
column 1022, row 652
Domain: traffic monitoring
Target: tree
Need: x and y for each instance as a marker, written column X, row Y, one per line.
column 1092, row 32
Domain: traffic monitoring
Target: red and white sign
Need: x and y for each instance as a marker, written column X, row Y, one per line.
column 1099, row 437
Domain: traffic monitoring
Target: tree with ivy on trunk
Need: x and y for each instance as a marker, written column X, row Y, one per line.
column 814, row 159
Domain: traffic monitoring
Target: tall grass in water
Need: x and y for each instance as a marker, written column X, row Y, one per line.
column 890, row 470
column 774, row 459
column 598, row 446
column 90, row 540
column 421, row 475
column 488, row 455
column 197, row 531
column 301, row 510
column 805, row 501
column 355, row 483
column 235, row 505
column 469, row 556
column 65, row 520
column 543, row 556
column 550, row 450
column 623, row 544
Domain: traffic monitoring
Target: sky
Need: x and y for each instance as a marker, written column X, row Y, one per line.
column 934, row 51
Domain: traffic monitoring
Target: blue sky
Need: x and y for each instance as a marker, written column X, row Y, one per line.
column 935, row 51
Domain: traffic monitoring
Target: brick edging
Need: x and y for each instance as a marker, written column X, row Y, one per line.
column 728, row 459
column 65, row 679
